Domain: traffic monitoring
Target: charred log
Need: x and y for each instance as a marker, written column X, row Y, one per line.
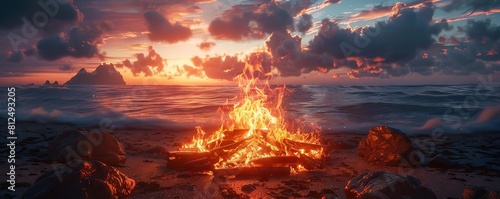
column 253, row 171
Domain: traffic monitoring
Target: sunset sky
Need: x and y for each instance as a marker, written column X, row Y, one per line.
column 202, row 42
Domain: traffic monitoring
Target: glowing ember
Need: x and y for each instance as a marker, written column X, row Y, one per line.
column 254, row 132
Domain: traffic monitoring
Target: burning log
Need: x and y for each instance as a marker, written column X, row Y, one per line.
column 253, row 171
column 310, row 163
column 220, row 150
column 237, row 133
column 275, row 161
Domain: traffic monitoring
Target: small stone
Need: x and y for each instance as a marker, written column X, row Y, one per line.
column 248, row 188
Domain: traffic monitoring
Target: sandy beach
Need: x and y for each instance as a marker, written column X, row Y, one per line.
column 475, row 157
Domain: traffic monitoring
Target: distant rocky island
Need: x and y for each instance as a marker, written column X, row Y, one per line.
column 47, row 83
column 104, row 74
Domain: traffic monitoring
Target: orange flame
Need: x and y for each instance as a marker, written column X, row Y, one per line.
column 259, row 112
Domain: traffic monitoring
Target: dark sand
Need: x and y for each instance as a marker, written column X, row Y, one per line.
column 475, row 154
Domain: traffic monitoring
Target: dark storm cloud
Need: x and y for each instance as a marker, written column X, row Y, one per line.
column 150, row 4
column 160, row 29
column 78, row 42
column 294, row 7
column 379, row 11
column 66, row 67
column 289, row 57
column 16, row 57
column 399, row 39
column 57, row 12
column 252, row 25
column 148, row 65
column 472, row 5
column 482, row 31
column 206, row 45
column 305, row 23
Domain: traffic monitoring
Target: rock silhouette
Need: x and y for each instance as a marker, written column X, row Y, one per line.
column 104, row 74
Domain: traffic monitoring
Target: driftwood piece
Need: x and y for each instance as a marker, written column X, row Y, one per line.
column 310, row 163
column 187, row 155
column 218, row 151
column 253, row 171
column 275, row 160
column 188, row 149
column 237, row 133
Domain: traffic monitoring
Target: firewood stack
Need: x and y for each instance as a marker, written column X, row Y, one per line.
column 291, row 154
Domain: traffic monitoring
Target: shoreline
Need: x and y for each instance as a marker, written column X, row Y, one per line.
column 147, row 159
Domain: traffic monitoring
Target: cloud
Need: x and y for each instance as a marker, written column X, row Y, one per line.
column 398, row 39
column 403, row 45
column 57, row 14
column 482, row 31
column 305, row 23
column 206, row 45
column 226, row 67
column 16, row 57
column 252, row 25
column 160, row 29
column 290, row 59
column 197, row 61
column 66, row 67
column 148, row 65
column 472, row 5
column 193, row 71
column 78, row 42
column 380, row 11
column 222, row 67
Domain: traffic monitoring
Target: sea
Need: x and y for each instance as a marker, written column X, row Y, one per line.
column 414, row 109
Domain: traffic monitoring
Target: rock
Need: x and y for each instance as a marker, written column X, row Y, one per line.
column 103, row 75
column 383, row 184
column 84, row 180
column 479, row 193
column 384, row 146
column 71, row 145
column 440, row 161
column 47, row 83
column 248, row 188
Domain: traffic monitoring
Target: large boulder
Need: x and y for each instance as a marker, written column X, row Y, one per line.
column 382, row 184
column 384, row 146
column 71, row 145
column 479, row 193
column 82, row 180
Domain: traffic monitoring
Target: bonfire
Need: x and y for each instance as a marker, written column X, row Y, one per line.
column 254, row 138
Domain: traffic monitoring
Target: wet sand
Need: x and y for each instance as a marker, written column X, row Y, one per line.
column 476, row 157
